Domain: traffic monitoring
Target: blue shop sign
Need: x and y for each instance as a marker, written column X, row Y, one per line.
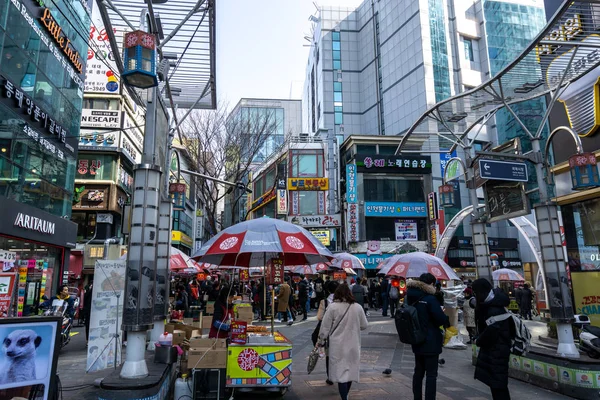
column 392, row 209
column 372, row 261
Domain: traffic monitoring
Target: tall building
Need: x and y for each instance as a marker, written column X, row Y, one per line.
column 375, row 69
column 285, row 116
column 43, row 51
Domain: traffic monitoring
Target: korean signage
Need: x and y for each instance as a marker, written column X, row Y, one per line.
column 91, row 138
column 100, row 118
column 91, row 197
column 263, row 200
column 433, row 232
column 432, row 206
column 444, row 158
column 339, row 276
column 238, row 332
column 282, row 201
column 406, row 230
column 308, row 183
column 351, row 185
column 276, row 271
column 585, row 292
column 130, row 150
column 321, row 199
column 315, row 221
column 295, row 203
column 373, row 260
column 90, row 167
column 39, row 121
column 178, row 237
column 323, row 236
column 399, row 164
column 391, row 209
column 352, row 223
column 99, row 76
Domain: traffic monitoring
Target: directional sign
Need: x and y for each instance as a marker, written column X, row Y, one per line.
column 503, row 170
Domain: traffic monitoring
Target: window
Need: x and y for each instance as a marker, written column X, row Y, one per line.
column 307, row 163
column 390, row 189
column 337, row 65
column 101, row 104
column 308, row 203
column 337, row 55
column 468, row 49
column 339, row 118
column 335, row 36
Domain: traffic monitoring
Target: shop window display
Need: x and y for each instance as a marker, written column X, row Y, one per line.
column 582, row 235
column 37, row 264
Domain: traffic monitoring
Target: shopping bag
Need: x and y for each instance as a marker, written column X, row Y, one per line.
column 312, row 360
column 450, row 332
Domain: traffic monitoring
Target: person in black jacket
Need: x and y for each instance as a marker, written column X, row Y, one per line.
column 303, row 296
column 384, row 297
column 494, row 341
column 420, row 294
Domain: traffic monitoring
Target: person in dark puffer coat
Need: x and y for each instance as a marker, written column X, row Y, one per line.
column 494, row 341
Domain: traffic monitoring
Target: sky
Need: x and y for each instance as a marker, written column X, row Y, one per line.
column 260, row 48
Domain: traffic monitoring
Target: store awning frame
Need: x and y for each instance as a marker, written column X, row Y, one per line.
column 563, row 53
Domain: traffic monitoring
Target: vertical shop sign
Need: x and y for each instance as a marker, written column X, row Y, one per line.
column 321, row 196
column 432, row 206
column 352, row 223
column 351, row 195
column 282, row 201
column 276, row 271
column 106, row 315
column 22, row 286
column 295, row 202
column 7, row 287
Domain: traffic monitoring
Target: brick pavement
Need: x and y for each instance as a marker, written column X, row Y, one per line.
column 380, row 350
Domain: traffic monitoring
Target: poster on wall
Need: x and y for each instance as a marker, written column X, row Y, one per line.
column 100, row 69
column 106, row 315
column 585, row 293
column 7, row 287
column 29, row 360
column 406, row 230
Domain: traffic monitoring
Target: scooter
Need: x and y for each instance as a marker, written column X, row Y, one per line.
column 589, row 337
column 58, row 308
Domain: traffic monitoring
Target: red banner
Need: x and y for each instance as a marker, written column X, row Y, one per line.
column 7, row 287
column 238, row 332
column 244, row 275
column 276, row 269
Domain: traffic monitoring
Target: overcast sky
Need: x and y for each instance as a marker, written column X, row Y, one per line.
column 260, row 49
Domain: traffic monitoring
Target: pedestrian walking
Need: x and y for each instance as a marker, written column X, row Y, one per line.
column 181, row 300
column 319, row 290
column 87, row 309
column 372, row 295
column 359, row 294
column 303, row 298
column 394, row 297
column 421, row 295
column 469, row 315
column 384, row 297
column 331, row 287
column 282, row 303
column 221, row 320
column 526, row 297
column 365, row 286
column 494, row 341
column 340, row 328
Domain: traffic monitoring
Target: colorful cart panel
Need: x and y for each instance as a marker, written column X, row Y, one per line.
column 259, row 365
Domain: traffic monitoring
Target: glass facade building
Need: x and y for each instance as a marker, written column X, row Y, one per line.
column 43, row 52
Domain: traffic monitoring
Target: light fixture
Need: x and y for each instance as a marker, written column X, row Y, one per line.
column 4, row 149
column 446, row 195
column 140, row 60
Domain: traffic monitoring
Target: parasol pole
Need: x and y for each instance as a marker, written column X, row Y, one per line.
column 264, row 286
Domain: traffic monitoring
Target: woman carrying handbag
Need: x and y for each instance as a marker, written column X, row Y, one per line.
column 340, row 333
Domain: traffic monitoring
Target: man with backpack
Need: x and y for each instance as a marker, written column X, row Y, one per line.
column 319, row 290
column 418, row 322
column 394, row 296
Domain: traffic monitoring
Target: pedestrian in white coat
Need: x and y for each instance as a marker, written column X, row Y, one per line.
column 341, row 326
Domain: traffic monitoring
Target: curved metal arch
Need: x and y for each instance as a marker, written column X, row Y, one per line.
column 525, row 227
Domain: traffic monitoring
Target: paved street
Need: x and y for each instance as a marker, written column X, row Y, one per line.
column 380, row 350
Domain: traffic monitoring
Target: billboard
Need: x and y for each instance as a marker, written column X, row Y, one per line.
column 100, row 70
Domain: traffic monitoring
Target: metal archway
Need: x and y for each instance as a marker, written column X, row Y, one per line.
column 525, row 227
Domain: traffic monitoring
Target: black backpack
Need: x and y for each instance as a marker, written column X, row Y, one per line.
column 408, row 324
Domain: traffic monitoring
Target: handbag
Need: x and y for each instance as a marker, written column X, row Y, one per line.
column 313, row 357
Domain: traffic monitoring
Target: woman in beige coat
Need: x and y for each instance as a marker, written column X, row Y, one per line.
column 283, row 298
column 341, row 326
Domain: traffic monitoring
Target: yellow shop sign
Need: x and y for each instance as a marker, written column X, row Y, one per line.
column 178, row 237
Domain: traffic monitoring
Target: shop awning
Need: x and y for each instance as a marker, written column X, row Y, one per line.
column 560, row 59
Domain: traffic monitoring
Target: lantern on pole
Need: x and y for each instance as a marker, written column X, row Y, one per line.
column 177, row 192
column 446, row 195
column 584, row 171
column 139, row 68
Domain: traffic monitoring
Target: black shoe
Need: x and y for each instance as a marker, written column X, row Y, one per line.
column 329, row 382
column 304, row 319
column 387, row 371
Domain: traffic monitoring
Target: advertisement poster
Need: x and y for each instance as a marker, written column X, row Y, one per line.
column 585, row 293
column 7, row 287
column 406, row 230
column 99, row 72
column 238, row 332
column 106, row 315
column 22, row 284
column 28, row 362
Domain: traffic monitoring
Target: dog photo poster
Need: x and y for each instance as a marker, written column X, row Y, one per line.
column 26, row 359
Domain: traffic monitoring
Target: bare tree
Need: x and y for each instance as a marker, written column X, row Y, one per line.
column 225, row 146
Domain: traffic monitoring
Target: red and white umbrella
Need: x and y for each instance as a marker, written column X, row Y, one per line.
column 505, row 274
column 346, row 260
column 413, row 265
column 181, row 263
column 314, row 269
column 252, row 243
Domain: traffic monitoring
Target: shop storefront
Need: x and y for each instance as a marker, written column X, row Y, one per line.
column 504, row 254
column 36, row 246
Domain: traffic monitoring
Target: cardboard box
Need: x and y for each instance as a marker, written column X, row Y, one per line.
column 210, row 307
column 244, row 313
column 179, row 337
column 208, row 343
column 180, row 327
column 206, row 322
column 207, row 358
